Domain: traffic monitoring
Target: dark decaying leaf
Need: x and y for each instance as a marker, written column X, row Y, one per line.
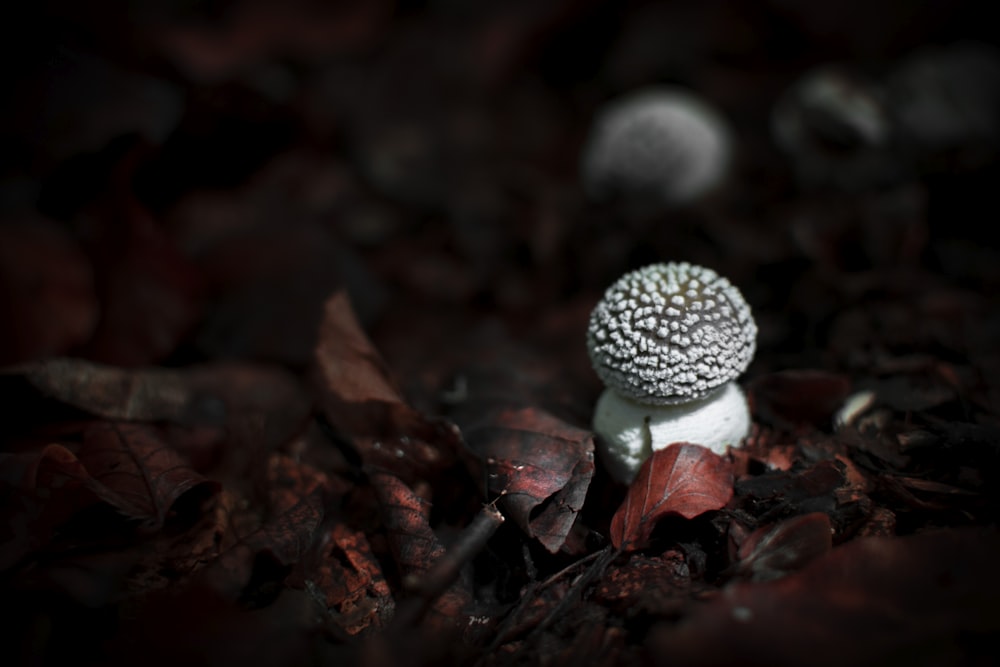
column 346, row 575
column 539, row 467
column 46, row 469
column 683, row 479
column 414, row 545
column 292, row 517
column 128, row 466
column 779, row 494
column 927, row 599
column 775, row 550
column 654, row 584
column 40, row 489
column 359, row 398
column 222, row 395
column 795, row 397
column 132, row 469
column 170, row 555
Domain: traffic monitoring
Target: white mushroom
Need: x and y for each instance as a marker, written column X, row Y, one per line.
column 658, row 146
column 834, row 127
column 669, row 341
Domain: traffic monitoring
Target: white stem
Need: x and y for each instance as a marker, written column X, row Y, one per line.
column 629, row 431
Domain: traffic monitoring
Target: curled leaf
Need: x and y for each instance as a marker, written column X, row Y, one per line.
column 684, row 479
column 540, row 467
column 360, row 399
column 134, row 471
column 414, row 545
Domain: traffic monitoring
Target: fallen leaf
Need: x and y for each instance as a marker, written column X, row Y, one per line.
column 684, row 479
column 360, row 399
column 40, row 489
column 289, row 528
column 135, row 471
column 170, row 556
column 538, row 467
column 348, row 577
column 657, row 585
column 779, row 494
column 414, row 545
column 47, row 468
column 249, row 407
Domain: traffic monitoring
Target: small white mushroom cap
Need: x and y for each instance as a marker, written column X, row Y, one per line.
column 629, row 431
column 663, row 145
column 670, row 333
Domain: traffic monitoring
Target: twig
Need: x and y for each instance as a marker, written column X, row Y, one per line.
column 445, row 570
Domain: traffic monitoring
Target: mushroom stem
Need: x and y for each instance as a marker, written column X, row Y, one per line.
column 629, row 431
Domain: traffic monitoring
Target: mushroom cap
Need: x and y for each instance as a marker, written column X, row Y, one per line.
column 660, row 144
column 629, row 432
column 670, row 333
column 835, row 128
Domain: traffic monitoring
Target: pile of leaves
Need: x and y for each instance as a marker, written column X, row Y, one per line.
column 293, row 373
column 232, row 511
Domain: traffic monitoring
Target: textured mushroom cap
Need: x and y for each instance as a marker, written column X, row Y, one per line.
column 629, row 432
column 662, row 144
column 670, row 333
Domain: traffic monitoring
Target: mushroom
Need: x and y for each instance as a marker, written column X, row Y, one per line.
column 834, row 126
column 656, row 147
column 668, row 341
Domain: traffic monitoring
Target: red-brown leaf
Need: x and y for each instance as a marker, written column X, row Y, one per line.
column 359, row 397
column 349, row 577
column 295, row 510
column 414, row 545
column 248, row 406
column 531, row 457
column 134, row 471
column 683, row 479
